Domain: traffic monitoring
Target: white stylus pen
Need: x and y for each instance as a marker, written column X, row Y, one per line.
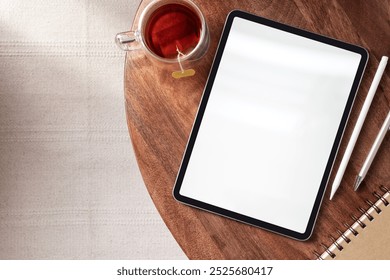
column 373, row 151
column 359, row 124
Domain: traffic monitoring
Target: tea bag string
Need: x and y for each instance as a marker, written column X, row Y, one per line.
column 179, row 53
column 183, row 73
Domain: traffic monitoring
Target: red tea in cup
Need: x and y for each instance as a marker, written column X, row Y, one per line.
column 172, row 29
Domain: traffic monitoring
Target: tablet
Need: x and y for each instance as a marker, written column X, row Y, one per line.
column 269, row 124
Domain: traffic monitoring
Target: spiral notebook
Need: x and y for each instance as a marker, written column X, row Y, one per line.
column 368, row 237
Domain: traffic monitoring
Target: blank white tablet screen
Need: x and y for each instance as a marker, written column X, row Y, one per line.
column 270, row 124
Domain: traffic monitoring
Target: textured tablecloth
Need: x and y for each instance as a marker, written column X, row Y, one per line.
column 69, row 183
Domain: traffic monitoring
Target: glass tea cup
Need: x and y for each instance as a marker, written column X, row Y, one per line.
column 172, row 33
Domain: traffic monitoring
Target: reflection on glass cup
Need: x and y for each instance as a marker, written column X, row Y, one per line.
column 172, row 33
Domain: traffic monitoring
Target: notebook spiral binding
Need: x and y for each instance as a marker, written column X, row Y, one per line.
column 351, row 229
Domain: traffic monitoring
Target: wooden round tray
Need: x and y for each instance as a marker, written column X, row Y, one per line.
column 160, row 112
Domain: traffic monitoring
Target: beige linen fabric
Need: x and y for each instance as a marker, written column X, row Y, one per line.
column 69, row 183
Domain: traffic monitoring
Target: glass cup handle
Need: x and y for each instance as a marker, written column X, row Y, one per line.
column 128, row 41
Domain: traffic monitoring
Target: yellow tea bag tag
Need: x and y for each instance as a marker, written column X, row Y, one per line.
column 183, row 74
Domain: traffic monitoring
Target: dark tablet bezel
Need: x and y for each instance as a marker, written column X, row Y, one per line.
column 202, row 107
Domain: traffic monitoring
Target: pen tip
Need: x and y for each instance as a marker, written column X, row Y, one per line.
column 358, row 181
column 332, row 194
column 335, row 186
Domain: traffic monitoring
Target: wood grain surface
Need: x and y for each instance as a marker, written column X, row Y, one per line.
column 161, row 110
